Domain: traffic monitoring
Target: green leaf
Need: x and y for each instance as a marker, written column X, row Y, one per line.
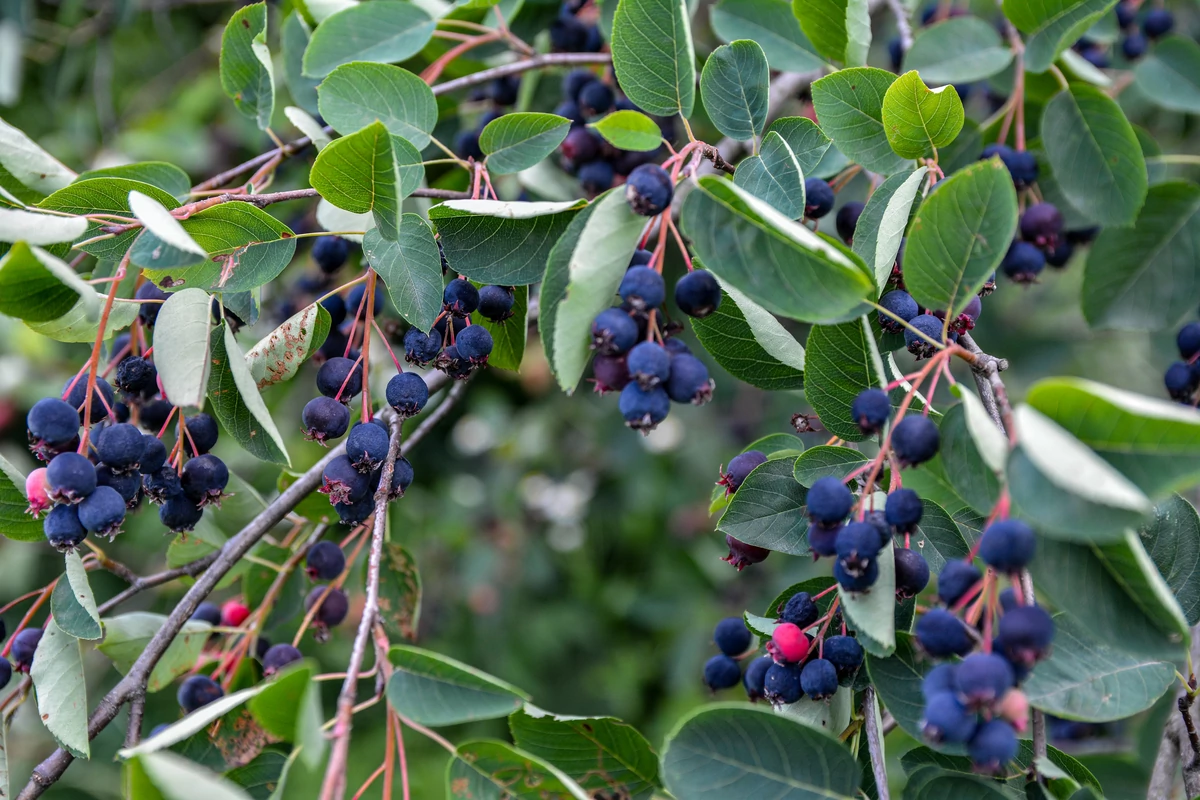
column 399, row 592
column 247, row 75
column 15, row 524
column 629, row 130
column 594, row 271
column 556, row 277
column 931, row 783
column 734, row 88
column 500, row 242
column 958, row 50
column 371, row 170
column 831, row 716
column 410, row 268
column 517, row 141
column 842, row 361
column 601, row 753
column 37, row 287
column 840, row 30
column 1169, row 75
column 182, row 356
column 508, row 337
column 233, row 392
column 81, row 322
column 1141, row 277
column 774, row 446
column 653, row 55
column 960, row 235
column 192, row 723
column 872, row 614
column 385, row 31
column 808, row 143
column 776, row 262
column 774, row 176
column 490, row 770
column 29, row 164
column 966, row 469
column 938, row 538
column 767, row 510
column 289, row 707
column 263, row 776
column 279, row 355
column 105, row 196
column 750, row 344
column 1095, row 155
column 1086, row 679
column 435, row 690
column 918, row 120
column 849, row 106
column 58, row 677
column 1065, row 488
column 173, row 246
column 293, row 41
column 179, row 778
column 168, row 177
column 884, row 220
column 771, row 24
column 724, row 750
column 1052, row 26
column 897, row 680
column 36, row 229
column 814, row 586
column 1172, row 540
column 306, row 124
column 824, row 461
column 72, row 603
column 126, row 636
column 357, row 94
column 922, row 756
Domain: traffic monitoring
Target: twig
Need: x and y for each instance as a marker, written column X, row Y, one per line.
column 517, row 67
column 875, row 744
column 137, row 710
column 139, row 585
column 903, row 24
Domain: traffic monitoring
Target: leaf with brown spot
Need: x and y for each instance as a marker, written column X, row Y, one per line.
column 280, row 354
column 399, row 592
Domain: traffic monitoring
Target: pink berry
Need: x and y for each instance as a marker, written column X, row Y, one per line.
column 37, row 492
column 788, row 643
column 1014, row 707
column 234, row 613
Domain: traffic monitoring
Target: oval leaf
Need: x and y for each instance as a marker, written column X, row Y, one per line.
column 73, row 604
column 958, row 50
column 126, row 636
column 1052, row 26
column 435, row 690
column 517, row 141
column 178, row 249
column 884, row 221
column 105, row 196
column 37, row 287
column 751, row 344
column 485, row 769
column 918, row 120
column 238, row 405
column 733, row 87
column 1169, row 76
column 279, row 355
column 767, row 510
column 808, row 143
column 399, row 592
column 32, row 166
column 1172, row 540
column 40, row 229
column 774, row 175
column 849, row 106
column 629, row 130
column 182, row 356
column 386, row 31
column 843, row 360
column 247, row 75
column 357, row 94
column 840, row 30
column 57, row 673
column 872, row 614
column 653, row 55
column 771, row 24
column 826, row 461
column 411, row 268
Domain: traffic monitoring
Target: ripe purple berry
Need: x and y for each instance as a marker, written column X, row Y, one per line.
column 408, row 393
column 1187, row 340
column 642, row 408
column 279, row 656
column 1024, row 634
column 923, row 346
column 956, row 579
column 819, row 679
column 1008, row 545
column 649, row 364
column 740, row 467
column 800, row 610
column 904, row 510
column 857, row 546
column 870, row 410
column 70, row 477
column 754, row 679
column 915, row 440
column 366, row 446
column 343, row 483
column 731, row 636
column 642, row 289
column 613, row 332
column 818, row 198
column 829, row 501
column 1023, row 262
column 420, row 348
column 1158, row 22
column 207, row 612
column 742, row 555
column 856, row 583
column 324, row 418
column 402, row 478
column 649, row 190
column 125, row 484
column 53, row 424
column 698, row 294
column 121, row 447
column 154, row 454
column 982, row 679
column 102, row 512
column 102, row 397
column 946, row 719
column 474, row 344
column 901, row 304
column 204, row 479
column 340, row 378
column 782, row 684
column 912, row 573
column 822, row 539
column 137, row 376
column 330, row 253
column 179, row 513
column 24, row 647
column 941, row 634
column 496, row 302
column 460, row 297
column 609, row 374
column 844, row 652
column 149, row 310
column 1041, row 225
column 721, row 672
column 847, row 219
column 993, row 745
column 197, row 692
column 357, row 512
column 63, row 529
column 689, row 381
column 325, row 561
column 333, row 608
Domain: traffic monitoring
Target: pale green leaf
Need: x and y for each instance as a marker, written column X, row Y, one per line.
column 884, row 221
column 629, row 130
column 247, row 75
column 1169, row 75
column 192, row 723
column 108, row 196
column 168, row 177
column 734, row 89
column 918, row 120
column 355, row 95
column 167, row 230
column 774, row 176
column 235, row 400
column 58, row 677
column 37, row 287
column 433, row 689
column 29, row 164
column 306, row 124
column 182, row 355
column 517, row 141
column 411, row 269
column 126, row 637
column 872, row 614
column 73, row 604
column 958, row 50
column 39, row 229
column 293, row 41
column 385, row 31
column 279, row 355
column 653, row 55
column 179, row 778
column 771, row 24
column 849, row 106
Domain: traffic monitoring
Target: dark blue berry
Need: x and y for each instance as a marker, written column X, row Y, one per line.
column 595, row 98
column 1008, row 545
column 103, row 511
column 740, row 467
column 1023, row 262
column 324, row 418
column 1041, row 224
column 982, row 679
column 356, row 300
column 946, row 719
column 330, row 253
column 1126, row 13
column 279, row 656
column 334, row 607
column 6, row 672
column 197, row 692
column 367, row 446
column 1181, row 381
column 208, row 612
column 818, row 198
column 53, row 422
column 202, row 432
column 915, row 440
column 642, row 289
column 474, row 344
column 800, row 610
column 895, row 52
column 610, row 374
column 912, row 573
column 1024, row 634
column 642, row 408
column 325, row 561
column 861, row 581
column 844, row 652
column 903, row 510
column 847, row 219
column 466, row 145
column 453, row 364
column 102, row 397
column 357, row 512
column 956, row 579
column 595, row 177
column 923, row 346
column 574, row 81
column 941, row 678
column 732, row 636
column 155, row 414
column 753, row 680
column 568, row 35
column 689, row 381
column 649, row 190
column 137, row 376
column 120, row 447
column 162, row 485
column 63, row 528
column 902, row 305
column 782, row 683
column 340, row 378
column 1134, row 45
column 993, row 745
column 698, row 294
column 503, row 90
column 819, row 679
column 1022, row 166
column 149, row 310
column 742, row 555
column 613, row 332
column 70, row 478
column 1187, row 340
column 941, row 634
column 823, row 538
column 829, row 500
column 402, row 478
column 460, row 297
column 204, row 479
column 1158, row 22
column 721, row 672
column 640, row 257
column 649, row 364
column 343, row 483
column 857, row 546
column 570, row 110
column 335, row 305
column 420, row 348
column 24, row 646
column 870, row 410
column 496, row 302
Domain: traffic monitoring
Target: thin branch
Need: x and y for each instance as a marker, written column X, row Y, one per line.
column 139, row 585
column 903, row 24
column 517, row 67
column 137, row 710
column 875, row 744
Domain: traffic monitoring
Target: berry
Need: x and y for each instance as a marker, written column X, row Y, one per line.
column 941, row 678
column 207, row 612
column 1181, row 381
column 357, row 512
column 37, row 492
column 63, row 528
column 154, row 454
column 575, row 80
column 642, row 408
column 330, row 253
column 915, row 440
column 956, row 579
column 407, row 393
column 570, row 110
column 453, row 364
column 402, row 478
column 649, row 190
column 818, row 198
column 689, row 381
column 742, row 555
column 335, row 305
column 334, row 607
column 23, row 647
column 474, row 344
column 1022, row 166
column 460, row 297
column 503, row 90
column 609, row 374
column 496, row 302
column 902, row 305
column 844, row 652
column 982, row 679
column 829, row 500
column 1096, row 56
column 732, row 636
column 137, row 375
column 102, row 512
column 800, row 610
column 649, row 364
column 1023, row 262
column 595, row 98
column 466, row 145
column 162, row 485
column 903, row 510
column 857, row 546
column 1008, row 545
column 71, row 477
column 788, row 643
column 947, row 719
column 234, row 613
column 1041, row 224
column 149, row 310
column 343, row 483
column 856, row 583
column 823, row 539
column 640, row 258
column 420, row 348
column 1126, row 13
column 6, row 672
column 847, row 219
column 613, row 332
column 366, row 446
column 740, row 467
column 642, row 289
column 870, row 410
column 179, row 513
column 698, row 294
column 204, row 479
column 102, row 397
column 324, row 418
column 912, row 573
column 1187, row 340
column 340, row 378
column 1024, row 634
column 325, row 561
column 1134, row 45
column 596, row 177
column 120, row 447
column 568, row 35
column 781, row 684
column 819, row 679
column 53, row 424
column 993, row 745
column 279, row 656
column 197, row 692
column 721, row 672
column 1158, row 22
column 922, row 346
column 754, row 680
column 941, row 634
column 155, row 414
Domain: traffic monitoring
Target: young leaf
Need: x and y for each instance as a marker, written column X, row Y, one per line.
column 411, row 269
column 15, row 524
column 105, row 196
column 1052, row 26
column 37, row 287
column 771, row 24
column 761, row 753
column 293, row 41
column 1095, row 155
column 840, row 30
column 72, row 602
column 653, row 55
column 39, row 229
column 399, row 592
column 807, row 142
column 960, row 235
column 58, row 677
column 842, row 361
column 768, row 509
column 357, row 94
column 385, row 31
column 436, row 690
column 174, row 247
column 774, row 176
column 306, row 124
column 279, row 355
column 182, row 357
column 484, row 768
column 500, row 242
column 247, row 75
column 168, row 177
column 957, row 50
column 734, row 89
column 1172, row 539
column 872, row 615
column 29, row 164
column 236, row 402
column 179, row 778
column 884, row 220
column 751, row 344
column 824, row 461
column 1169, row 75
column 849, row 105
column 1143, row 279
column 517, row 141
column 508, row 337
column 126, row 636
column 918, row 120
column 629, row 130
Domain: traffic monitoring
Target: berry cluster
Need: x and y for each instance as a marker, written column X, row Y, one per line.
column 20, row 652
column 1156, row 23
column 998, row 635
column 1183, row 377
column 577, row 28
column 454, row 345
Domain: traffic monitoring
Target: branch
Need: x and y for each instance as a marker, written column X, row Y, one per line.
column 986, row 369
column 1176, row 746
column 138, row 585
column 875, row 744
column 903, row 24
column 517, row 67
